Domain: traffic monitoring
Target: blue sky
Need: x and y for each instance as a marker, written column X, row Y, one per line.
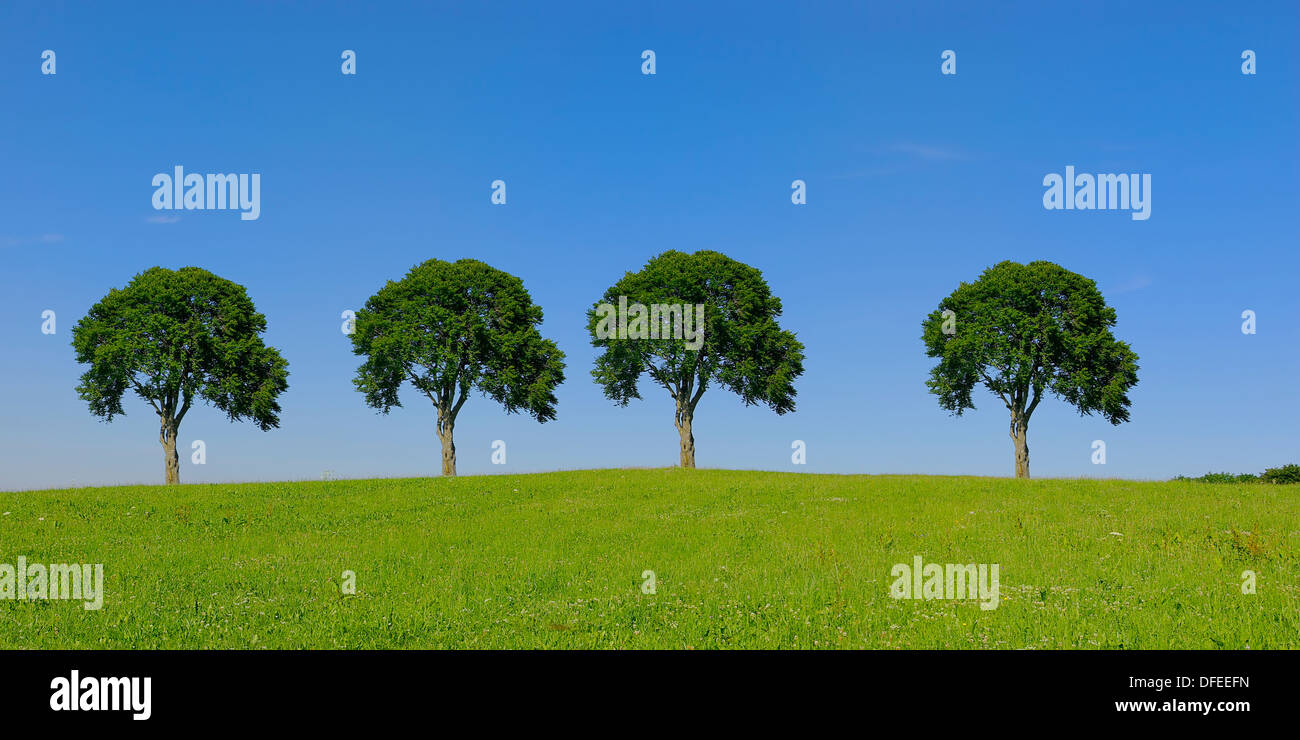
column 916, row 181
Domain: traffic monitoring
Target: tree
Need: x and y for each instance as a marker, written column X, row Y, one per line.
column 449, row 327
column 1025, row 331
column 1285, row 474
column 742, row 348
column 174, row 337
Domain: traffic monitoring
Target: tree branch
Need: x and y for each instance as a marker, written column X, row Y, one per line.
column 140, row 392
column 464, row 394
column 1038, row 396
column 416, row 382
column 185, row 407
column 988, row 383
column 695, row 399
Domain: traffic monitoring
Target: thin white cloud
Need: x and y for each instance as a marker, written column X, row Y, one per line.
column 913, row 152
column 20, row 241
column 929, row 153
column 869, row 172
column 1130, row 285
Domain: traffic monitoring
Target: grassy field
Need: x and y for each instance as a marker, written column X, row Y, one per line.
column 741, row 560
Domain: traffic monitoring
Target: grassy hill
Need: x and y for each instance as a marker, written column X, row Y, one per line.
column 741, row 559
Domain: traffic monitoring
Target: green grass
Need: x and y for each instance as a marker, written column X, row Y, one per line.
column 742, row 560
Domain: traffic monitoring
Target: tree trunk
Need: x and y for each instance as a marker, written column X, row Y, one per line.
column 448, row 447
column 168, row 438
column 1020, row 435
column 683, row 420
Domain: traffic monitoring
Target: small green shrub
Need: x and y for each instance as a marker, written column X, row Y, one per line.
column 1285, row 474
column 1221, row 478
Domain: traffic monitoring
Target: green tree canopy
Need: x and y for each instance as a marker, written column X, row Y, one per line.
column 448, row 328
column 174, row 336
column 1024, row 331
column 743, row 348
